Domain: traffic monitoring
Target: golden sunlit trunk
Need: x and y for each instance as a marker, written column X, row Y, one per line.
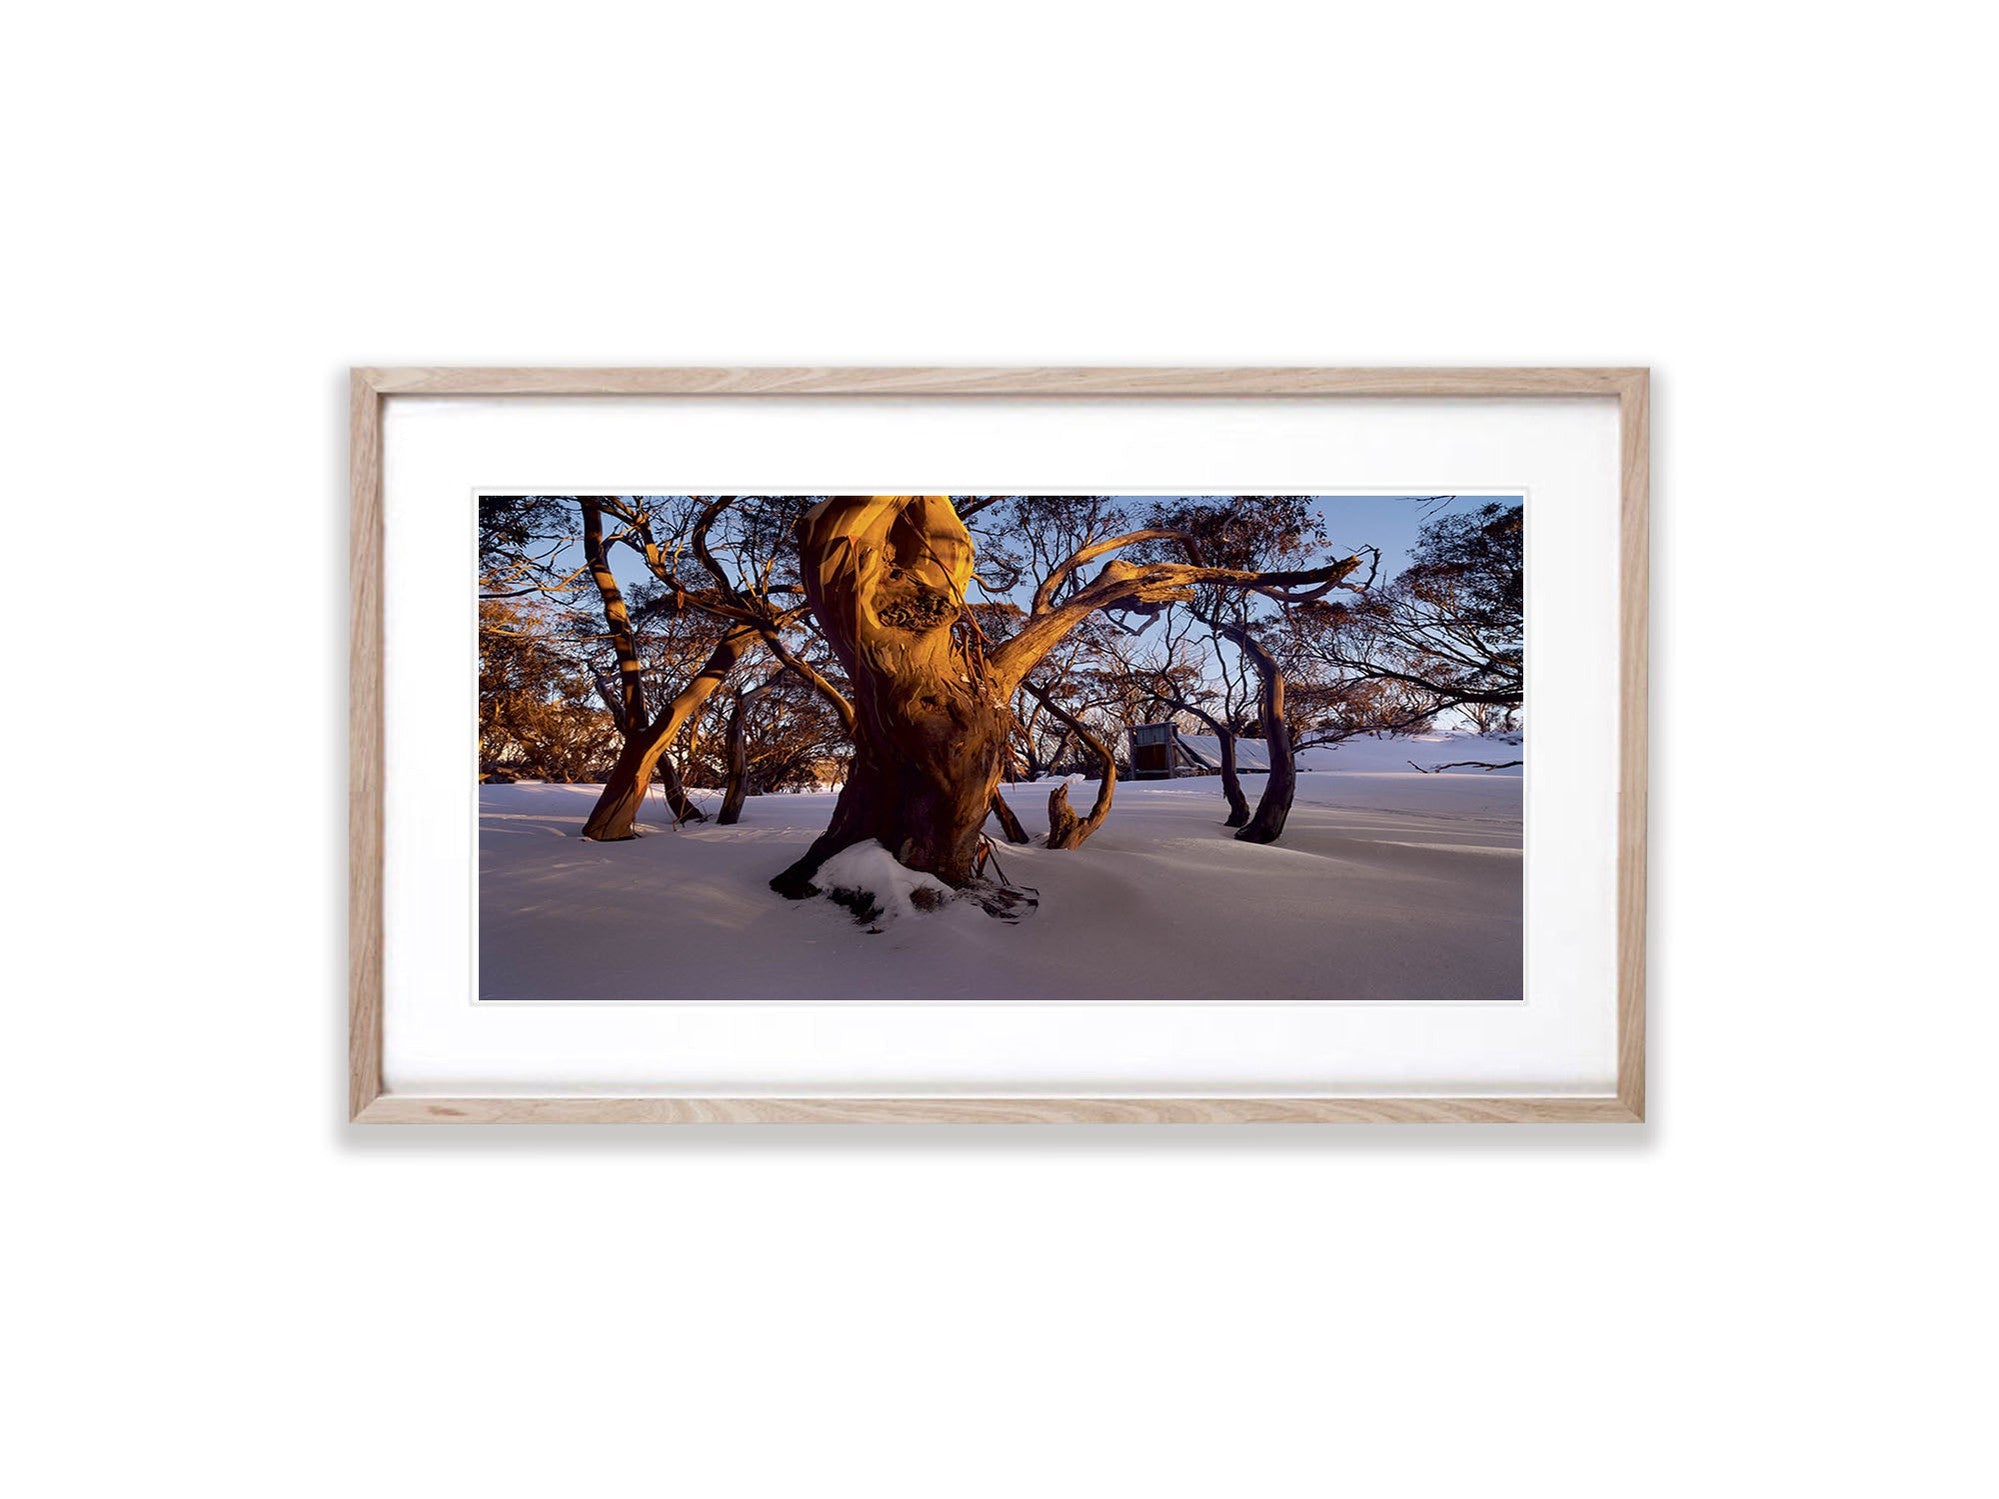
column 886, row 576
column 624, row 792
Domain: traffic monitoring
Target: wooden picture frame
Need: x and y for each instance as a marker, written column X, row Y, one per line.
column 371, row 387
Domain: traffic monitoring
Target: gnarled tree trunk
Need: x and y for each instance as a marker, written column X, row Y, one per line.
column 624, row 791
column 739, row 770
column 1238, row 804
column 618, row 806
column 1231, row 781
column 886, row 578
column 736, row 787
column 1274, row 806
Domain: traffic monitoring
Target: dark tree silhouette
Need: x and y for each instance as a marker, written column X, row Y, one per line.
column 1449, row 632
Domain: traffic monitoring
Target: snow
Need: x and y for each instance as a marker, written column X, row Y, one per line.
column 869, row 869
column 1386, row 885
column 1394, row 752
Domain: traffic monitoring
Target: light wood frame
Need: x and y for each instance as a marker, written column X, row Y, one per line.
column 368, row 1103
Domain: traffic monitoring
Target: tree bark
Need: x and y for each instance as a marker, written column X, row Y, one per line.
column 1065, row 828
column 630, row 710
column 739, row 770
column 1274, row 806
column 627, row 704
column 885, row 575
column 675, row 791
column 1231, row 780
column 736, row 788
column 624, row 792
column 1009, row 824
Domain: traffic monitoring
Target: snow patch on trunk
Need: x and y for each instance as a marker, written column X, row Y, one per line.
column 867, row 880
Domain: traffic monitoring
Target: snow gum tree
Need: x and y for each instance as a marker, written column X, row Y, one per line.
column 1194, row 677
column 886, row 577
column 1250, row 532
column 723, row 576
column 646, row 734
column 710, row 602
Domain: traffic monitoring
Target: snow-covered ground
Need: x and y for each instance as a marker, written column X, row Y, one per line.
column 1386, row 885
column 1397, row 752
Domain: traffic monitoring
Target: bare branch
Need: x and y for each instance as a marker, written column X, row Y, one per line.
column 1138, row 587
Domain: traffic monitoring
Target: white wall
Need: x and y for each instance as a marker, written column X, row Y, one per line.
column 1777, row 1286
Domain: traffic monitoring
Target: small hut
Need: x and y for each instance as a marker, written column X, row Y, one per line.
column 1159, row 751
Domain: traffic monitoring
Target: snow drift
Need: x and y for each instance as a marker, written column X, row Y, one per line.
column 1387, row 885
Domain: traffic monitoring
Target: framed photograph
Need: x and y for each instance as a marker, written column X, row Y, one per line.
column 983, row 745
